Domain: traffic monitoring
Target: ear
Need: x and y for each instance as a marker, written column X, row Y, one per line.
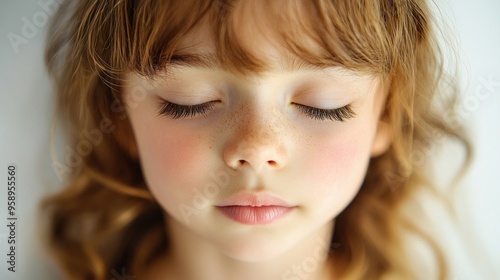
column 382, row 139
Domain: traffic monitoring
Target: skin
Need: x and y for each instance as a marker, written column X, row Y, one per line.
column 253, row 140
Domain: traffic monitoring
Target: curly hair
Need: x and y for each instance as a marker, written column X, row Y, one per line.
column 105, row 218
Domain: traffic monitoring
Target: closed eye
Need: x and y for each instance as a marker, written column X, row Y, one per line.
column 340, row 114
column 177, row 111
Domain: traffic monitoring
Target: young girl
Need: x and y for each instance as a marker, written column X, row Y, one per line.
column 244, row 139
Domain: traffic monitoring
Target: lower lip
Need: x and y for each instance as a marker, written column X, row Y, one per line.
column 254, row 215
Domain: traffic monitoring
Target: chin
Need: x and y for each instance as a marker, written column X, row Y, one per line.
column 257, row 247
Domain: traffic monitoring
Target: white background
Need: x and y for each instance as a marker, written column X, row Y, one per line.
column 26, row 104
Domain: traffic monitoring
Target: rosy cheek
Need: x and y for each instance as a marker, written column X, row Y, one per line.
column 335, row 165
column 173, row 162
column 175, row 151
column 332, row 156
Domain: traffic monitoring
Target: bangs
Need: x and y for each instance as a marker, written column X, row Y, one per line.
column 356, row 35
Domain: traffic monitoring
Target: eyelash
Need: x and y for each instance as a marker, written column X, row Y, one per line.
column 339, row 114
column 176, row 111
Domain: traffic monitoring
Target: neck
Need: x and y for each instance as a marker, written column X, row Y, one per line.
column 192, row 258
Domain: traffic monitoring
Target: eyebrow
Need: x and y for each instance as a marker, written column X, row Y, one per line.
column 211, row 61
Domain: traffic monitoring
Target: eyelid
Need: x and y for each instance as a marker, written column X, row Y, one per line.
column 177, row 111
column 338, row 114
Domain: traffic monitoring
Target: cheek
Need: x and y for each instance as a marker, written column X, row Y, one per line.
column 335, row 165
column 332, row 157
column 171, row 154
column 173, row 151
column 337, row 155
column 174, row 161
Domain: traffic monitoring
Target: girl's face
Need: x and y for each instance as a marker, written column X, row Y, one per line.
column 252, row 172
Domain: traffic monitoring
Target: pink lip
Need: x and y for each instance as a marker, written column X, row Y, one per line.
column 255, row 200
column 254, row 209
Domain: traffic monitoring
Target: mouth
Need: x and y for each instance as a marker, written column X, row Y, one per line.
column 255, row 209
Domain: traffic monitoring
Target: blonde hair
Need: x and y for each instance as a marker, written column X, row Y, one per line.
column 106, row 219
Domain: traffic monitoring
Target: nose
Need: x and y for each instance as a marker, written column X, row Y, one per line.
column 257, row 144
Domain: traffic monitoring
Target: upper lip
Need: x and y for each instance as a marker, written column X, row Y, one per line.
column 254, row 200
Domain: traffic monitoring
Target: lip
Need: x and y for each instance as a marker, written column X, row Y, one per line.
column 254, row 200
column 255, row 209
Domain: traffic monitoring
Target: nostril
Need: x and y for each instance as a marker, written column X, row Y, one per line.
column 271, row 162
